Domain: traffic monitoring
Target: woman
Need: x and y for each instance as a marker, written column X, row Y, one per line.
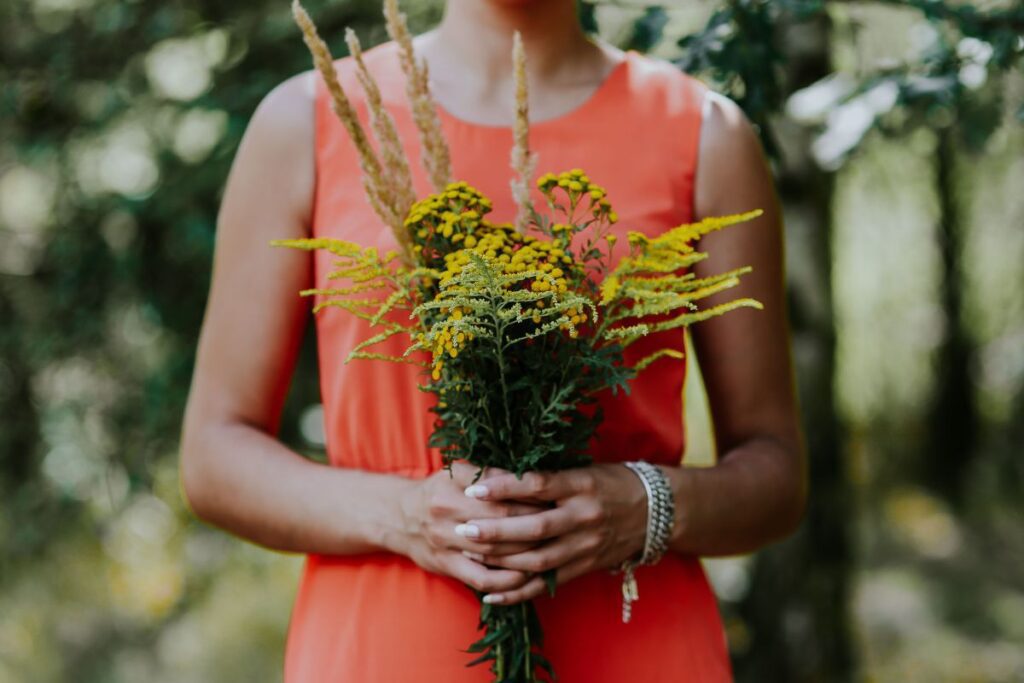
column 391, row 538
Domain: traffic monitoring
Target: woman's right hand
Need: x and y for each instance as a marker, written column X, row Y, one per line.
column 434, row 513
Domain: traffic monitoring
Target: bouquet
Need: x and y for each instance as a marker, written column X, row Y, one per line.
column 518, row 326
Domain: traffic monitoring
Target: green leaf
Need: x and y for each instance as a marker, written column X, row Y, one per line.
column 551, row 581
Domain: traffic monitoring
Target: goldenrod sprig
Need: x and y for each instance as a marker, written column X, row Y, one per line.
column 368, row 271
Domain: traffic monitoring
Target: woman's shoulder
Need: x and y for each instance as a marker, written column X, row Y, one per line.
column 288, row 106
column 287, row 113
column 277, row 147
column 291, row 102
column 283, row 119
column 383, row 62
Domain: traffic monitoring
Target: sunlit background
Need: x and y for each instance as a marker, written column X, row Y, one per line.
column 896, row 131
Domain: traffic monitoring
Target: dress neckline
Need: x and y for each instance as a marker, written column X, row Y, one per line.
column 602, row 92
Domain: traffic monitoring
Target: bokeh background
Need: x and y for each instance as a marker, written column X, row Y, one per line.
column 896, row 130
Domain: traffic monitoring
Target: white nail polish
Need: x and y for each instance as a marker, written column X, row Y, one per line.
column 476, row 557
column 467, row 530
column 476, row 491
column 493, row 599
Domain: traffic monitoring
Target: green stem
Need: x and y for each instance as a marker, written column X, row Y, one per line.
column 499, row 347
column 526, row 637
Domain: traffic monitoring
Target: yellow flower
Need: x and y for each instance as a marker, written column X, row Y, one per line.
column 609, row 289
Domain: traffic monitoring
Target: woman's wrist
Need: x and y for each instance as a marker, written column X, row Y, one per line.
column 370, row 509
column 638, row 526
column 680, row 480
column 403, row 517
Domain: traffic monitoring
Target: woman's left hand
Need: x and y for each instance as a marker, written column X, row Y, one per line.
column 598, row 520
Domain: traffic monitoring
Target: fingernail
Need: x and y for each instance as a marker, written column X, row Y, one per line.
column 477, row 491
column 493, row 598
column 473, row 556
column 467, row 530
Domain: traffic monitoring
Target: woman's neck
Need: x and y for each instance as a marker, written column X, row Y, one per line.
column 470, row 58
column 479, row 32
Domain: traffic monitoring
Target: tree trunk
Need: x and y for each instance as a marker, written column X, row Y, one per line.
column 797, row 608
column 952, row 421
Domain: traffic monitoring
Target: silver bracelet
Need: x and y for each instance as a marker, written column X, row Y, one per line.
column 660, row 521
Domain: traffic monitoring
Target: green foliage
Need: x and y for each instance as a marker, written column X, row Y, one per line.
column 738, row 49
column 741, row 49
column 647, row 29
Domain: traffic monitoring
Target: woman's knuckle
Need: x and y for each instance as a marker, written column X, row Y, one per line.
column 508, row 583
column 591, row 542
column 437, row 505
column 535, row 563
column 434, row 536
column 540, row 528
column 538, row 482
column 592, row 514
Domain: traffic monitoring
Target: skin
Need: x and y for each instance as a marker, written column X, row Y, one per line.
column 497, row 535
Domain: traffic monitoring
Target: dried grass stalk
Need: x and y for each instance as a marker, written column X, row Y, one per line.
column 398, row 188
column 436, row 156
column 524, row 162
column 379, row 190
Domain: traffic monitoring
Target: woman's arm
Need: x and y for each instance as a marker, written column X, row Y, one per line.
column 235, row 473
column 756, row 492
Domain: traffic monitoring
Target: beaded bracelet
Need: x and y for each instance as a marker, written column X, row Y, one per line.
column 660, row 520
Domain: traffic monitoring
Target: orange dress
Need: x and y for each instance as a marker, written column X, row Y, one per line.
column 379, row 618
